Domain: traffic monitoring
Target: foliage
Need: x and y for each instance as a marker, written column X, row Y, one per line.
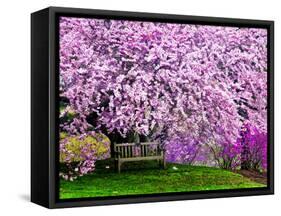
column 227, row 155
column 78, row 154
column 254, row 148
column 186, row 150
column 248, row 152
column 183, row 150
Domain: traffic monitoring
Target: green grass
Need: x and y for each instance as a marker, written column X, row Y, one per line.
column 147, row 178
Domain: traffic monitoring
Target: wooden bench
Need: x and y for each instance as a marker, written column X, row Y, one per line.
column 126, row 152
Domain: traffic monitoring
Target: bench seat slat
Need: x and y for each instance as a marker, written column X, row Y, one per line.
column 133, row 144
column 141, row 158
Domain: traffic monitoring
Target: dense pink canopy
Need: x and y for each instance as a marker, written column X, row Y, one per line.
column 196, row 81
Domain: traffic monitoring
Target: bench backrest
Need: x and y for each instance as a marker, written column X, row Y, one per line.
column 131, row 150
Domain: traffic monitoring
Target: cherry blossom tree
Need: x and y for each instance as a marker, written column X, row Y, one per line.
column 163, row 81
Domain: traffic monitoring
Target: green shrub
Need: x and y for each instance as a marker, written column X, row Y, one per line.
column 71, row 146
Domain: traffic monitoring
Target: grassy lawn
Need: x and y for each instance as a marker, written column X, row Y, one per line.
column 147, row 178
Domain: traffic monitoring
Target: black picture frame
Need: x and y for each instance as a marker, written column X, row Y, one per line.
column 44, row 106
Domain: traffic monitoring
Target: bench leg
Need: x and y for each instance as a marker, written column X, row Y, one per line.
column 119, row 166
column 115, row 166
column 164, row 163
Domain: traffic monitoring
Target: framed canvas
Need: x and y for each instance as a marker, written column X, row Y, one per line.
column 139, row 107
